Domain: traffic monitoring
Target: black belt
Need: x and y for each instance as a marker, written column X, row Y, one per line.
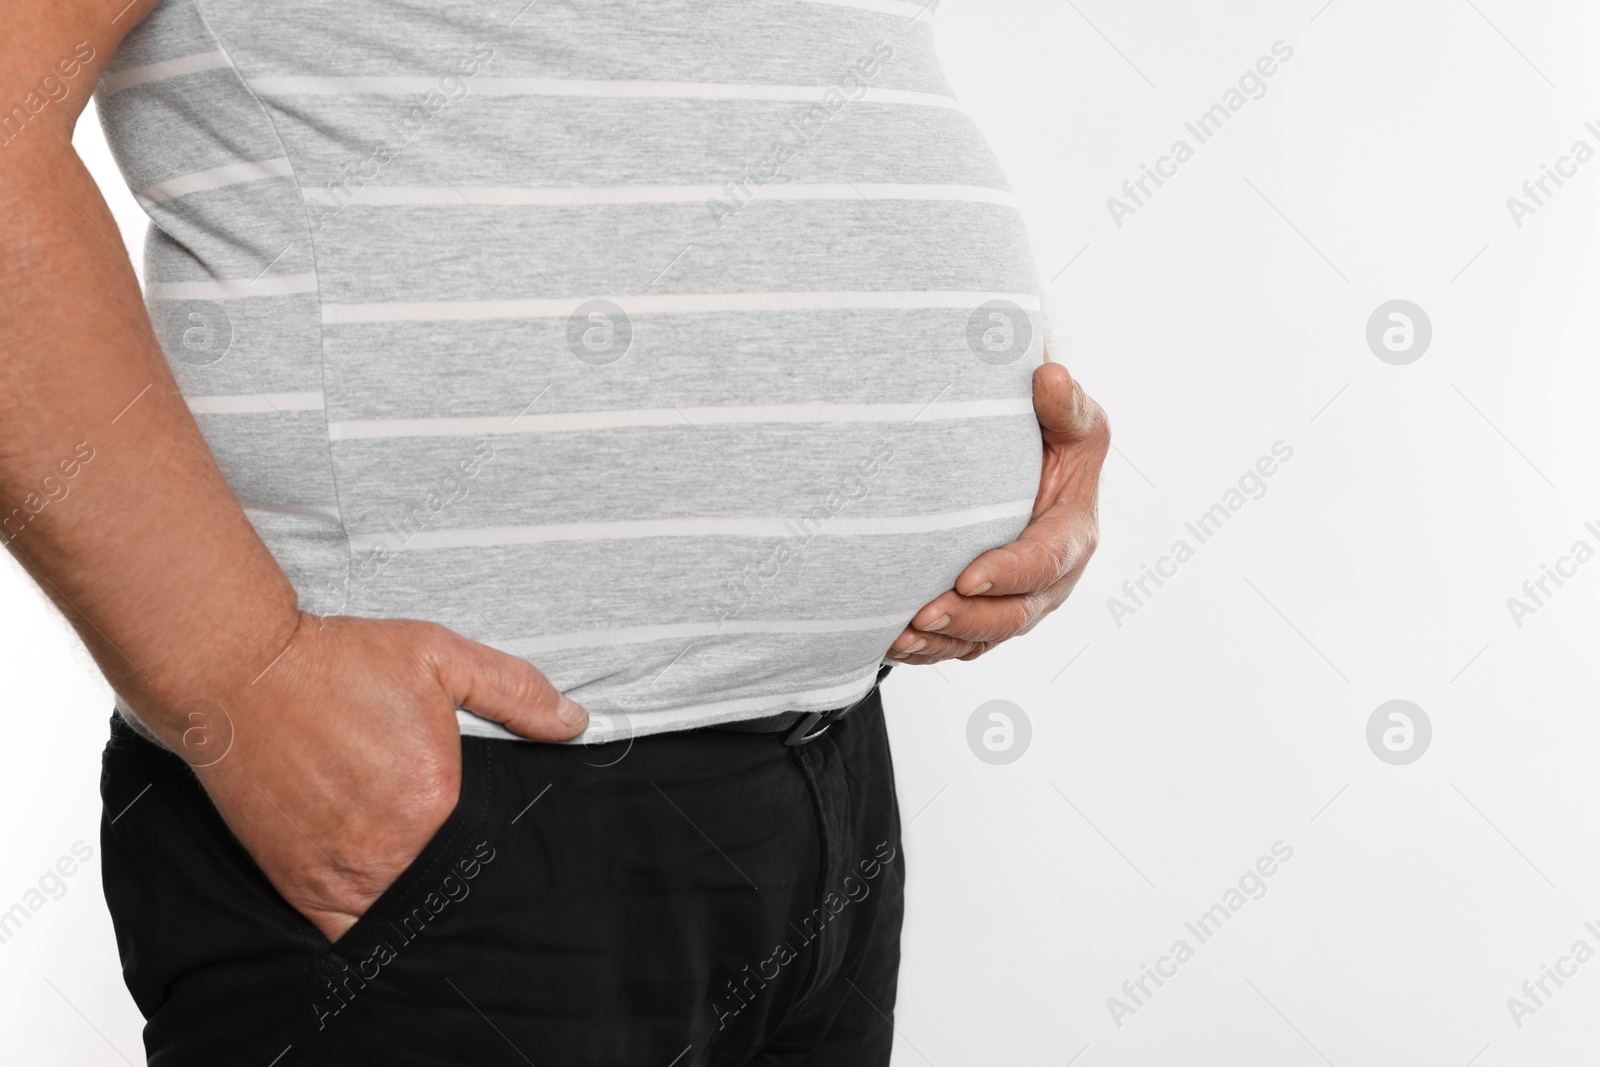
column 803, row 727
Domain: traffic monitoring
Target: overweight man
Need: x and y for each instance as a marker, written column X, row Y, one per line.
column 540, row 428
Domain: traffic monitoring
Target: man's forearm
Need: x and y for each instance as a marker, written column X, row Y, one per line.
column 143, row 545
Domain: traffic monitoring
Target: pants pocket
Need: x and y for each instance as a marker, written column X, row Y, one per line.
column 434, row 886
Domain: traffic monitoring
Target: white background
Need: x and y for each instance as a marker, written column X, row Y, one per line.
column 1230, row 711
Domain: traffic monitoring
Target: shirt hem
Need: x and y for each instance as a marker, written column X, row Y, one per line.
column 609, row 726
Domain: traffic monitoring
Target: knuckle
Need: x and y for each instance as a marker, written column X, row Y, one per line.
column 533, row 690
column 960, row 627
column 1091, row 539
column 547, row 696
column 1056, row 557
column 1000, row 624
column 970, row 626
column 435, row 780
column 1072, row 550
column 427, row 634
column 1093, row 417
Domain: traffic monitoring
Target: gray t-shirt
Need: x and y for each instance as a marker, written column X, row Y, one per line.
column 681, row 348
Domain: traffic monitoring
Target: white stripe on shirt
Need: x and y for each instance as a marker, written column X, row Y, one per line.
column 568, row 421
column 232, row 288
column 456, row 310
column 254, row 403
column 563, row 196
column 618, row 89
column 116, row 81
column 215, row 178
column 303, row 511
column 637, row 635
column 882, row 7
column 638, row 529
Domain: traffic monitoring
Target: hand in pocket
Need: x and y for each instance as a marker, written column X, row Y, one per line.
column 346, row 755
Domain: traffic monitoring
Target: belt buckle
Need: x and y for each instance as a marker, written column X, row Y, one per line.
column 802, row 733
column 816, row 723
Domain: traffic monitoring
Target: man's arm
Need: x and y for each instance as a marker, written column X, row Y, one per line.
column 149, row 514
column 344, row 739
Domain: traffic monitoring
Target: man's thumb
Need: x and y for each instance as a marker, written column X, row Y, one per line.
column 1065, row 411
column 510, row 691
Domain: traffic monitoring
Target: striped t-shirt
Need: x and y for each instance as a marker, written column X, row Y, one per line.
column 682, row 347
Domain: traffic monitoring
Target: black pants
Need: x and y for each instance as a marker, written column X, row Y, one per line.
column 698, row 898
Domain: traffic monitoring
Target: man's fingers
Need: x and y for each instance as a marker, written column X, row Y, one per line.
column 973, row 620
column 992, row 618
column 332, row 924
column 915, row 647
column 917, row 659
column 1053, row 390
column 508, row 690
column 929, row 656
column 1065, row 412
column 1007, row 590
column 1053, row 546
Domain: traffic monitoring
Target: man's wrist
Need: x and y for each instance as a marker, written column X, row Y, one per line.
column 217, row 671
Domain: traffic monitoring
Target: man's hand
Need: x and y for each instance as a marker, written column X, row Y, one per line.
column 345, row 756
column 1008, row 590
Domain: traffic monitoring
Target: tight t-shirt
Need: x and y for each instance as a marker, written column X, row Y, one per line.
column 682, row 348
